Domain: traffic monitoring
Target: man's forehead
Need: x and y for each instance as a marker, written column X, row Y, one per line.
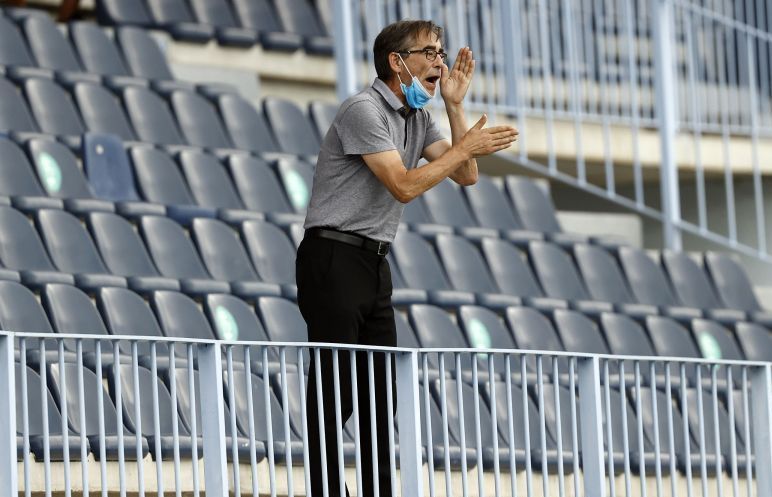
column 427, row 39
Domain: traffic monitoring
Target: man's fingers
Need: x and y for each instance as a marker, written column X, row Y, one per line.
column 479, row 124
column 501, row 129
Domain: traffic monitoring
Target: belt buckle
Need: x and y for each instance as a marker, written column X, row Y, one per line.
column 383, row 248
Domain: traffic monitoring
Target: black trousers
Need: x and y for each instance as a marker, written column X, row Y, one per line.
column 344, row 294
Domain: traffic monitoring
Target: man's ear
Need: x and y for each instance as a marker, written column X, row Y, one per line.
column 395, row 63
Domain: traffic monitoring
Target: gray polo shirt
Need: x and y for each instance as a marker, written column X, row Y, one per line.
column 346, row 195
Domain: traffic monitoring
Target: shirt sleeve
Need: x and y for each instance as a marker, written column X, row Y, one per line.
column 433, row 133
column 362, row 129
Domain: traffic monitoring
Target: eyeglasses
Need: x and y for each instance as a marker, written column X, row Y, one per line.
column 430, row 53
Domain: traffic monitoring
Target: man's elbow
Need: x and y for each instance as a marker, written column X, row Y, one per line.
column 468, row 180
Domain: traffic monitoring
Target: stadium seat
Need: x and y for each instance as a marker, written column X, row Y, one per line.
column 73, row 251
column 560, row 279
column 533, row 206
column 694, row 289
column 435, row 329
column 110, row 174
column 421, row 269
column 127, row 314
column 158, row 177
column 218, row 13
column 20, row 311
column 50, row 47
column 492, row 210
column 142, row 54
column 406, row 337
column 96, row 50
column 35, row 422
column 467, row 271
column 16, row 176
column 734, row 286
column 756, row 341
column 14, row 113
column 226, row 260
column 91, row 389
column 150, row 117
column 176, row 17
column 123, row 12
column 260, row 190
column 299, row 17
column 713, row 339
column 625, row 336
column 53, row 109
column 59, row 172
column 72, row 312
column 514, row 276
column 13, row 48
column 400, row 295
column 532, row 330
column 199, row 121
column 175, row 256
column 21, row 249
column 322, row 115
column 291, row 128
column 447, row 206
column 283, row 321
column 125, row 254
column 246, row 126
column 260, row 16
column 297, row 178
column 431, row 425
column 234, row 320
column 102, row 111
column 272, row 254
column 209, row 181
column 180, row 317
column 605, row 281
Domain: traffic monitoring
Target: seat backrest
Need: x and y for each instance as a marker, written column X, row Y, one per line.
column 510, row 269
column 222, row 251
column 246, row 126
column 556, row 271
column 126, row 313
column 447, row 205
column 259, row 411
column 158, row 177
column 233, row 319
column 534, row 331
column 689, row 281
column 272, row 253
column 578, row 333
column 647, row 415
column 120, row 245
column 755, row 340
column 198, row 120
column 20, row 245
column 454, row 411
column 258, row 15
column 171, row 248
column 209, row 181
column 710, row 407
column 180, row 317
column 670, row 338
column 108, row 169
column 646, row 278
column 68, row 242
column 53, row 108
column 35, row 405
column 20, row 310
column 142, row 53
column 715, row 341
column 102, row 111
column 415, row 212
column 731, row 281
column 485, row 329
column 97, row 51
column 533, row 206
column 490, row 206
column 16, row 176
column 72, row 312
column 297, row 178
column 464, row 265
column 322, row 115
column 406, row 337
column 282, row 319
column 553, row 416
column 418, row 263
column 123, row 12
column 625, row 336
column 257, row 184
column 13, row 49
column 299, row 17
column 14, row 113
column 290, row 126
column 58, row 169
column 150, row 116
column 519, row 412
column 435, row 329
column 170, row 11
column 49, row 46
column 601, row 274
column 214, row 12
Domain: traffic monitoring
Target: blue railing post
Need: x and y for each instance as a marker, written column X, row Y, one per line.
column 213, row 419
column 409, row 421
column 8, row 475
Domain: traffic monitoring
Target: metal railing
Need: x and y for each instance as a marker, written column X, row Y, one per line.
column 615, row 93
column 589, row 424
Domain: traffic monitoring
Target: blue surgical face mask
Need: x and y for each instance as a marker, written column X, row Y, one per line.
column 416, row 95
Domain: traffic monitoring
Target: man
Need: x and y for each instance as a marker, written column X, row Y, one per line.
column 365, row 173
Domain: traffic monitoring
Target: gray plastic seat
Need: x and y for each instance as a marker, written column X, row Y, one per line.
column 406, row 337
column 534, row 331
column 421, row 269
column 246, row 126
column 175, row 256
column 435, row 329
column 218, row 13
column 233, row 319
column 58, row 170
column 49, row 46
column 96, row 50
column 176, row 17
column 14, row 113
column 300, row 17
column 297, row 178
column 605, row 281
column 102, row 111
column 467, row 271
column 272, row 254
column 20, row 311
column 713, row 339
column 694, row 288
column 447, row 206
column 53, row 108
column 73, row 312
column 126, row 313
column 123, row 12
column 158, row 177
column 73, row 251
column 16, row 172
column 532, row 205
column 260, row 16
column 492, row 210
column 13, row 49
column 291, row 128
column 180, row 317
column 226, row 260
column 259, row 187
column 756, row 341
column 150, row 117
column 560, row 279
column 142, row 53
column 734, row 287
column 283, row 321
column 125, row 254
column 322, row 115
column 209, row 181
column 198, row 120
column 626, row 336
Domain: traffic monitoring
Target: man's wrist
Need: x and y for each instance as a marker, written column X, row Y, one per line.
column 454, row 108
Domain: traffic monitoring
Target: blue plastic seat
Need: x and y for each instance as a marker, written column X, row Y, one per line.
column 447, row 206
column 272, row 254
column 53, row 108
column 49, row 46
column 246, row 126
column 150, row 117
column 199, row 121
column 290, row 126
column 209, row 181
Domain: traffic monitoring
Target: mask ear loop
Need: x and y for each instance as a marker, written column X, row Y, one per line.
column 405, row 65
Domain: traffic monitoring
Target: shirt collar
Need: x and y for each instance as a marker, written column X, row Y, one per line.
column 390, row 97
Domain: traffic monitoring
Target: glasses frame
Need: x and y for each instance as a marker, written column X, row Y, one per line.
column 427, row 51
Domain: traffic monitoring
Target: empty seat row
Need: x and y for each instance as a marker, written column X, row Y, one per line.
column 277, row 25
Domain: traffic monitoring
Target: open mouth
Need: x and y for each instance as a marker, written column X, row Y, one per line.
column 432, row 82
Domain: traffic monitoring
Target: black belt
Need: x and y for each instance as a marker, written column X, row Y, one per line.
column 380, row 248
